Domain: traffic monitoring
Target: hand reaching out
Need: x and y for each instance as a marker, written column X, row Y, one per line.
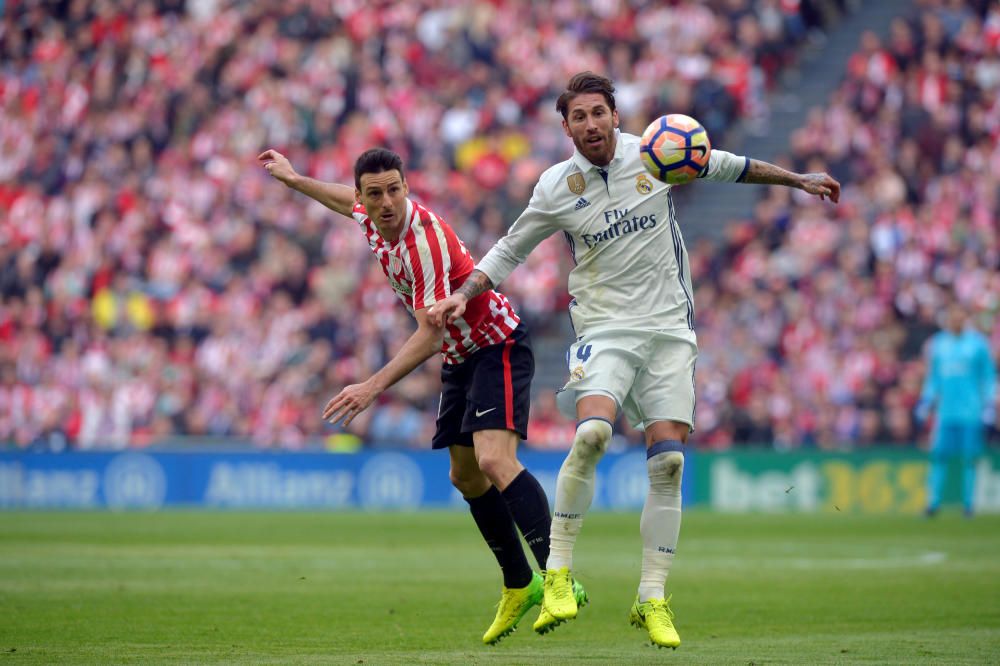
column 350, row 402
column 822, row 185
column 277, row 165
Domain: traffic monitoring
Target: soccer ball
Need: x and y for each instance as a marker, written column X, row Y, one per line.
column 675, row 148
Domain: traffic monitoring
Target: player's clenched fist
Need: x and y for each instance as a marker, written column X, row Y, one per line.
column 448, row 310
column 277, row 165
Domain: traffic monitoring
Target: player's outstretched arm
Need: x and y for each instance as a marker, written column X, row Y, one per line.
column 453, row 307
column 533, row 225
column 820, row 184
column 356, row 398
column 336, row 197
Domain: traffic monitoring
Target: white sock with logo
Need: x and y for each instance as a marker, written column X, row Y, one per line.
column 660, row 525
column 575, row 489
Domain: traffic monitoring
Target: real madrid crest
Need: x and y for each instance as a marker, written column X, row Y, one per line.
column 642, row 184
column 576, row 183
column 577, row 373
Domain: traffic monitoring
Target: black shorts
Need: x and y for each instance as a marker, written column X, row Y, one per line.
column 490, row 390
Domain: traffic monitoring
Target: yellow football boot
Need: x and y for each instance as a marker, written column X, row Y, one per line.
column 655, row 617
column 559, row 600
column 514, row 603
column 546, row 622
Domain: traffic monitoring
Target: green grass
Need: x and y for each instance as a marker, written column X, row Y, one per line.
column 295, row 588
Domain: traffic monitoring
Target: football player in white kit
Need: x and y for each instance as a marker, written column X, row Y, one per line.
column 633, row 315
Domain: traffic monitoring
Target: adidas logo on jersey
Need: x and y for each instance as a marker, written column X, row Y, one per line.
column 582, row 203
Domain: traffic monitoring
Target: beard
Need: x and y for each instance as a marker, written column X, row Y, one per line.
column 599, row 154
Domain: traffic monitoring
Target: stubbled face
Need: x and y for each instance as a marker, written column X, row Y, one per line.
column 591, row 124
column 384, row 197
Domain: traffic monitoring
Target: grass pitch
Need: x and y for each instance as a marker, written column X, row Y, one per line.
column 295, row 588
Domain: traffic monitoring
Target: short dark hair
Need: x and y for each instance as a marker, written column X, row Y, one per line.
column 583, row 83
column 377, row 160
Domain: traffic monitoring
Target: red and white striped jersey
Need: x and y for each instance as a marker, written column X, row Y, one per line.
column 425, row 265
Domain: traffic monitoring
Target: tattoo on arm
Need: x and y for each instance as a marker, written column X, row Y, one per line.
column 475, row 284
column 765, row 173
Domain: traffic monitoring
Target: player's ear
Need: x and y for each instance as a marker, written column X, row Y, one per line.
column 566, row 128
column 406, row 189
column 357, row 195
column 614, row 119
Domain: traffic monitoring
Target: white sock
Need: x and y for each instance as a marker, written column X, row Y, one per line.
column 575, row 490
column 660, row 525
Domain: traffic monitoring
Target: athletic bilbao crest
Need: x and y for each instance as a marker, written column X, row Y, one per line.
column 396, row 276
column 576, row 183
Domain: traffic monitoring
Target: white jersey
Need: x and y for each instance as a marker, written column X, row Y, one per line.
column 632, row 268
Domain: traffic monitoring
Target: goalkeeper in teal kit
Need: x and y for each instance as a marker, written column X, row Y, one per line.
column 960, row 387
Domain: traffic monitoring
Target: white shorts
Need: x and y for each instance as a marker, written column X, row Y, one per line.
column 649, row 374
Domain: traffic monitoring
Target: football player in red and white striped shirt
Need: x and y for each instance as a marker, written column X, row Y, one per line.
column 487, row 371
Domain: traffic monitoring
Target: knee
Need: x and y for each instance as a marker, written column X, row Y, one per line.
column 592, row 437
column 497, row 466
column 665, row 472
column 470, row 481
column 667, row 466
column 496, row 456
column 590, row 443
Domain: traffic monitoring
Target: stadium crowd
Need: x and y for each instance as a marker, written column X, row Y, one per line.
column 154, row 283
column 812, row 319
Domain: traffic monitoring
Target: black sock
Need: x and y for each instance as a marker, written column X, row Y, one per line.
column 497, row 527
column 530, row 508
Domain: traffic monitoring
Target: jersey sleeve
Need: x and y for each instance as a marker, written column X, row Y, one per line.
column 536, row 223
column 724, row 167
column 359, row 214
column 428, row 262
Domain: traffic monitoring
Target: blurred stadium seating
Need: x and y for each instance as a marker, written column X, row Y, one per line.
column 825, row 316
column 156, row 284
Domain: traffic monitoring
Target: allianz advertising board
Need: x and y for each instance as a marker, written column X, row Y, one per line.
column 870, row 482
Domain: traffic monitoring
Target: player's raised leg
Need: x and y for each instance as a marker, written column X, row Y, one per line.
column 574, row 494
column 529, row 510
column 497, row 415
column 660, row 527
column 496, row 453
column 521, row 586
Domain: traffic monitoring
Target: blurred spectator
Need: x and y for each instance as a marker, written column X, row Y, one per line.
column 548, row 428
